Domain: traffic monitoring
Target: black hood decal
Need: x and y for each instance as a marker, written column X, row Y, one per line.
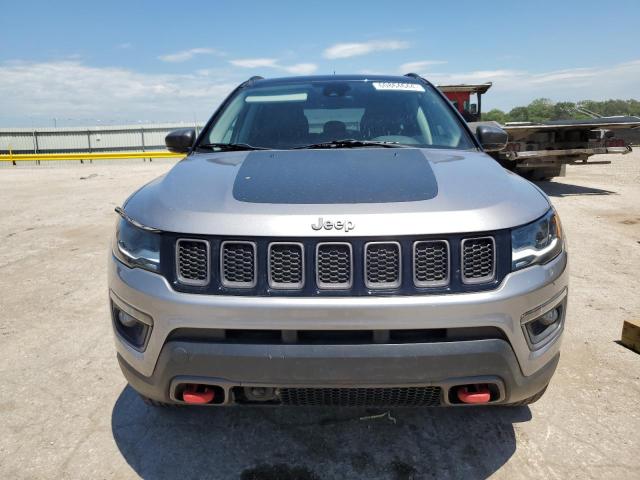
column 369, row 175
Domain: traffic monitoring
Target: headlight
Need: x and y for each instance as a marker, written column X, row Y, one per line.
column 536, row 243
column 136, row 247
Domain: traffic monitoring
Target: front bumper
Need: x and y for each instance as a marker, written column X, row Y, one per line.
column 519, row 371
column 442, row 365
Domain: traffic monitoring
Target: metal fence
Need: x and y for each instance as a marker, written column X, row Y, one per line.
column 140, row 138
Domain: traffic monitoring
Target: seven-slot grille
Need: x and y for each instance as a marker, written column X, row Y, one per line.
column 334, row 265
column 192, row 261
column 286, row 265
column 238, row 264
column 378, row 265
column 382, row 265
column 362, row 397
column 478, row 260
column 430, row 263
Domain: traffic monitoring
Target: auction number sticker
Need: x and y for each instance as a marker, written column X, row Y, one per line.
column 398, row 86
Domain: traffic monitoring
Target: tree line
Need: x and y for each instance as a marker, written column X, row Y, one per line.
column 543, row 109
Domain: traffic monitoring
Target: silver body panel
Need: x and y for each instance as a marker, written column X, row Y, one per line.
column 449, row 192
column 520, row 292
column 475, row 194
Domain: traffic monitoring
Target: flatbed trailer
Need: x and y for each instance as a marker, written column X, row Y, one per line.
column 540, row 151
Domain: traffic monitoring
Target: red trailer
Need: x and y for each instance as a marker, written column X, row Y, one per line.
column 466, row 98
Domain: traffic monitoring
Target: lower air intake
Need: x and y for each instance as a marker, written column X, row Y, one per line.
column 362, row 397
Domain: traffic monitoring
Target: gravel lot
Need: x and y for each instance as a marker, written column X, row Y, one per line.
column 65, row 410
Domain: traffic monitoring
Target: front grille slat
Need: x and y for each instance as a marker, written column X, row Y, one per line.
column 362, row 397
column 192, row 261
column 431, row 263
column 382, row 265
column 286, row 265
column 238, row 264
column 334, row 265
column 478, row 260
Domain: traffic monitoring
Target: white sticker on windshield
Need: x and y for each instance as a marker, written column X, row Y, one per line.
column 287, row 97
column 405, row 87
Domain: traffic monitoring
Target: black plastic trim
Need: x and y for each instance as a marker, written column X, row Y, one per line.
column 442, row 364
column 358, row 288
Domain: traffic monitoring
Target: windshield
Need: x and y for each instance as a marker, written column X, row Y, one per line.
column 295, row 115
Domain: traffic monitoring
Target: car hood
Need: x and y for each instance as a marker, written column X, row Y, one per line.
column 380, row 191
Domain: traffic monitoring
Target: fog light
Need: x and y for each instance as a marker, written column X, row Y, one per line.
column 541, row 328
column 132, row 326
column 550, row 317
column 126, row 320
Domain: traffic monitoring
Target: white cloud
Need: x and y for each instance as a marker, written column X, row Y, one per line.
column 185, row 55
column 346, row 50
column 124, row 46
column 562, row 75
column 420, row 65
column 296, row 69
column 38, row 92
column 301, row 68
column 513, row 87
column 254, row 62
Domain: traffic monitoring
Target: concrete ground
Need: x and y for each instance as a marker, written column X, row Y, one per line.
column 66, row 412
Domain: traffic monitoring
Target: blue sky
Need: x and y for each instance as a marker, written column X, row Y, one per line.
column 142, row 61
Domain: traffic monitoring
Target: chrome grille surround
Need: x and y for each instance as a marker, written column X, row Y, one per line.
column 330, row 265
column 382, row 267
column 285, row 265
column 242, row 273
column 478, row 260
column 431, row 263
column 192, row 261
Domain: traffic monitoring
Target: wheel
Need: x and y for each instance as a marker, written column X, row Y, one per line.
column 530, row 400
column 540, row 174
column 155, row 403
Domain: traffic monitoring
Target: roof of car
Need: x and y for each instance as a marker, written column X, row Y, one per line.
column 324, row 78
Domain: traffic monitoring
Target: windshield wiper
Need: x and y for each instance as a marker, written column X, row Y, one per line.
column 352, row 143
column 228, row 147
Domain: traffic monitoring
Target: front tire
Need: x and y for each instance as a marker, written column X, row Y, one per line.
column 155, row 403
column 529, row 400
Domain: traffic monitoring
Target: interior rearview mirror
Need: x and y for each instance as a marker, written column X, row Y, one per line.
column 180, row 141
column 491, row 137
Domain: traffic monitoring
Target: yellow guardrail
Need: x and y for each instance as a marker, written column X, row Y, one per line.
column 30, row 157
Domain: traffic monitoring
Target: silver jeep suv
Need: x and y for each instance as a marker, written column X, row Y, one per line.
column 338, row 240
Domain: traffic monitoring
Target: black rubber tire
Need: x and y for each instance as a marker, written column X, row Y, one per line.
column 530, row 400
column 541, row 174
column 155, row 403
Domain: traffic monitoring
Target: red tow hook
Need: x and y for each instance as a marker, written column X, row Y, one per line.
column 197, row 394
column 474, row 394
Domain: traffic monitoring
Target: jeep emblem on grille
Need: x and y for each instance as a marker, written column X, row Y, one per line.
column 345, row 225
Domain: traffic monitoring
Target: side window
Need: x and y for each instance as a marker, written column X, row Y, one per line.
column 423, row 125
column 444, row 131
column 224, row 126
column 226, row 138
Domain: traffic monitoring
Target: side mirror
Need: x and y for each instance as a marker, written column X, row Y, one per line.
column 180, row 141
column 473, row 108
column 491, row 137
